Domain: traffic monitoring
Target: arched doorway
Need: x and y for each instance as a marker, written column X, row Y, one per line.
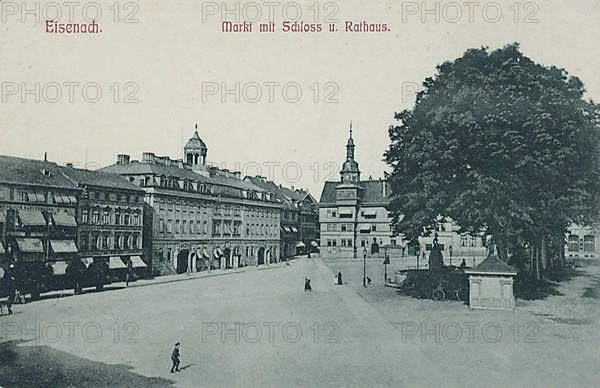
column 182, row 261
column 261, row 256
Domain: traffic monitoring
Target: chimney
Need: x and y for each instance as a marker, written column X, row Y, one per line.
column 293, row 189
column 148, row 157
column 122, row 159
column 69, row 165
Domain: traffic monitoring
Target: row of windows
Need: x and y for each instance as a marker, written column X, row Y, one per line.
column 586, row 244
column 105, row 241
column 110, row 196
column 109, row 217
column 227, row 211
column 183, row 227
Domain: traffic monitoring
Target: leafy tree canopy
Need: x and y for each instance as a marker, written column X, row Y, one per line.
column 499, row 144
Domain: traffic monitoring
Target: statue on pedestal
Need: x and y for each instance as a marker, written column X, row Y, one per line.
column 436, row 260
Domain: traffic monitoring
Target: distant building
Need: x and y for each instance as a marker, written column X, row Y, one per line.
column 353, row 218
column 199, row 217
column 581, row 241
column 299, row 217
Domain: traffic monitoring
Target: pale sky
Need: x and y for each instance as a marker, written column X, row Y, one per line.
column 170, row 53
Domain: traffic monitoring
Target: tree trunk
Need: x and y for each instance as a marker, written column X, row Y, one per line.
column 543, row 256
column 537, row 264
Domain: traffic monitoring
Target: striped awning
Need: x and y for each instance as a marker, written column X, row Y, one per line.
column 369, row 212
column 64, row 219
column 137, row 262
column 59, row 267
column 300, row 244
column 63, row 246
column 64, row 198
column 294, row 230
column 32, row 218
column 115, row 262
column 287, row 229
column 314, row 244
column 30, row 245
column 35, row 197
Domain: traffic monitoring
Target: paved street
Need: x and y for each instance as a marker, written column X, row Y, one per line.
column 350, row 336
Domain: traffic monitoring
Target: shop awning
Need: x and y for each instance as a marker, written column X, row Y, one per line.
column 294, row 230
column 287, row 229
column 314, row 244
column 300, row 244
column 30, row 245
column 282, row 228
column 370, row 212
column 87, row 261
column 115, row 262
column 64, row 219
column 59, row 267
column 63, row 246
column 63, row 198
column 364, row 228
column 35, row 197
column 2, row 217
column 2, row 251
column 205, row 254
column 137, row 262
column 32, row 218
column 217, row 253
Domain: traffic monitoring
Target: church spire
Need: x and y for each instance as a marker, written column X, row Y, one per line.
column 350, row 171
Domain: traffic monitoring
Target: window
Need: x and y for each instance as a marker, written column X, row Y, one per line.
column 216, row 228
column 205, row 227
column 589, row 244
column 331, row 227
column 135, row 219
column 393, row 241
column 105, row 217
column 126, row 219
column 373, row 228
column 573, row 243
column 95, row 217
column 84, row 216
column 463, row 241
column 177, row 227
column 83, row 241
column 169, row 226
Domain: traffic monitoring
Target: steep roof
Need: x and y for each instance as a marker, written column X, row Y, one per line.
column 32, row 172
column 372, row 195
column 99, row 178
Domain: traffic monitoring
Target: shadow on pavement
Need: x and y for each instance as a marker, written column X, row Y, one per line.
column 43, row 366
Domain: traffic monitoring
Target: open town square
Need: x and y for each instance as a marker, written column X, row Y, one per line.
column 337, row 194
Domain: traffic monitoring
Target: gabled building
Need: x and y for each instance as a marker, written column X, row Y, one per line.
column 199, row 217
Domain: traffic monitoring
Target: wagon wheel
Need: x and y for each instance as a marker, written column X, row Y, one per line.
column 439, row 294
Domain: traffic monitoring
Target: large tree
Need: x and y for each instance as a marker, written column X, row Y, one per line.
column 501, row 145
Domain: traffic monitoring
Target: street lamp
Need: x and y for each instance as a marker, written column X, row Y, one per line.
column 450, row 251
column 386, row 261
column 418, row 253
column 365, row 267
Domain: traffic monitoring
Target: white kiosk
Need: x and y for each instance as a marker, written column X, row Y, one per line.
column 491, row 285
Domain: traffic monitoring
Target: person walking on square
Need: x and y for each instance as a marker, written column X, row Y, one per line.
column 339, row 278
column 307, row 286
column 129, row 272
column 175, row 358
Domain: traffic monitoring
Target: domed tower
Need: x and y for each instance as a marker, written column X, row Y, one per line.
column 195, row 150
column 350, row 171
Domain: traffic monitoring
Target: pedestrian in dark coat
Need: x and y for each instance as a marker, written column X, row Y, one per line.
column 339, row 278
column 307, row 286
column 175, row 358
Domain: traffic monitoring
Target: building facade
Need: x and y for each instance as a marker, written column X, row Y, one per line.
column 199, row 217
column 38, row 207
column 354, row 221
column 110, row 220
column 299, row 217
column 581, row 242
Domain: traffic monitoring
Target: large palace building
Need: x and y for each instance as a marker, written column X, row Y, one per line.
column 198, row 217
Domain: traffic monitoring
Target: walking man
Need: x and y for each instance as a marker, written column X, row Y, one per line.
column 175, row 359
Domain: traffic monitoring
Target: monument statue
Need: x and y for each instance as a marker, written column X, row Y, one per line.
column 436, row 260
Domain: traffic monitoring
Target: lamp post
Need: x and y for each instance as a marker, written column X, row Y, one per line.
column 386, row 261
column 365, row 267
column 450, row 251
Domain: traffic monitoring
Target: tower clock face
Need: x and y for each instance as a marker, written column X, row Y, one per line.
column 347, row 177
